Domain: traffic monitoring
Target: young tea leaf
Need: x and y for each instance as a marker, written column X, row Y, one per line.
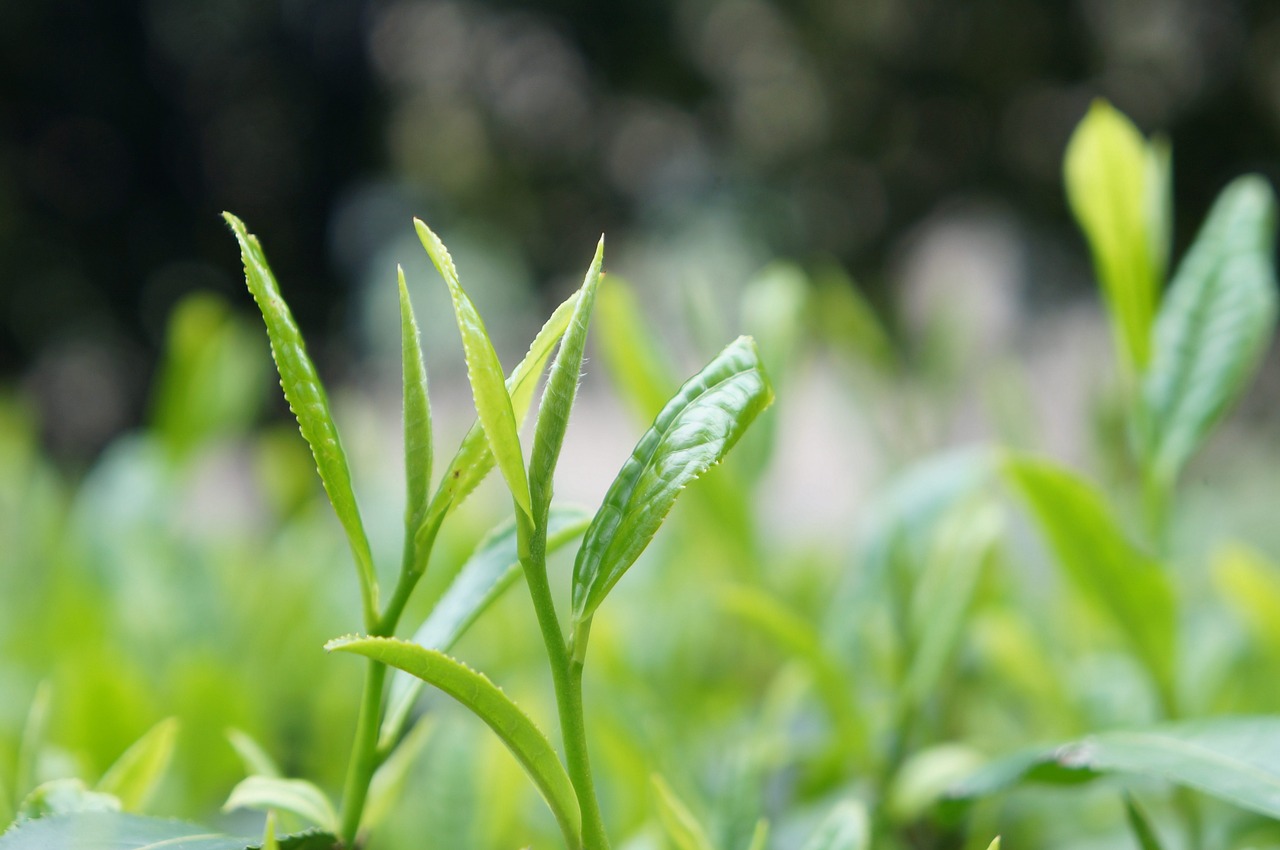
column 492, row 399
column 309, row 403
column 1107, row 171
column 297, row 796
column 692, row 433
column 846, row 828
column 136, row 774
column 490, row 704
column 1213, row 326
column 561, row 389
column 417, row 428
column 679, row 823
column 119, row 831
column 490, row 570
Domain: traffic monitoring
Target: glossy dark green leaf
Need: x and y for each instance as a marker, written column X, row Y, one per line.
column 484, row 699
column 117, row 831
column 1107, row 170
column 492, row 399
column 491, row 569
column 136, row 774
column 559, row 394
column 417, row 427
column 1213, row 326
column 296, row 796
column 1097, row 556
column 309, row 403
column 1235, row 759
column 692, row 433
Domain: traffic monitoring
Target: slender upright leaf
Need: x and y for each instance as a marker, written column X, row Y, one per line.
column 1102, row 562
column 1107, row 171
column 690, row 435
column 491, row 705
column 417, row 427
column 637, row 367
column 118, row 831
column 558, row 397
column 32, row 740
column 847, row 827
column 1214, row 325
column 269, row 841
column 677, row 821
column 1141, row 826
column 255, row 759
column 760, row 835
column 134, row 776
column 309, row 403
column 296, row 796
column 387, row 786
column 490, row 570
column 492, row 399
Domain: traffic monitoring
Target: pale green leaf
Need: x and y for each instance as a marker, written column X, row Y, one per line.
column 847, row 827
column 1213, row 327
column 136, row 774
column 492, row 399
column 760, row 835
column 387, row 786
column 1250, row 584
column 692, row 433
column 1107, row 172
column 119, row 831
column 417, row 429
column 65, row 797
column 995, row 844
column 559, row 394
column 677, row 821
column 526, row 742
column 269, row 841
column 33, row 732
column 296, row 796
column 255, row 759
column 490, row 570
column 1140, row 824
column 637, row 366
column 309, row 403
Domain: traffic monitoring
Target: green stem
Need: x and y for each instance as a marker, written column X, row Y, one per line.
column 364, row 753
column 566, row 676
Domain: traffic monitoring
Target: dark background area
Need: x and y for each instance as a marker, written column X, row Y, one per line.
column 828, row 127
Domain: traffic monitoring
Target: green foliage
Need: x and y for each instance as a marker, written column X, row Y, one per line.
column 134, row 776
column 296, row 796
column 114, row 831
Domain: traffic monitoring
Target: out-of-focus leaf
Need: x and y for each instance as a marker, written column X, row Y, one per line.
column 926, row 776
column 846, row 319
column 692, row 433
column 677, row 821
column 136, row 774
column 490, row 704
column 490, row 570
column 309, row 403
column 1141, row 825
column 492, row 399
column 995, row 844
column 1235, row 759
column 32, row 739
column 1251, row 585
column 269, row 841
column 760, row 835
column 390, row 778
column 1100, row 560
column 296, row 796
column 1213, row 326
column 417, row 428
column 119, row 831
column 64, row 797
column 256, row 760
column 644, row 377
column 847, row 827
column 559, row 394
column 1107, row 172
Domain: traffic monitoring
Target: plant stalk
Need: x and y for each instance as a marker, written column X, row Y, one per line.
column 364, row 754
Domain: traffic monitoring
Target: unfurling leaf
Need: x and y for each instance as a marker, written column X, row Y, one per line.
column 417, row 428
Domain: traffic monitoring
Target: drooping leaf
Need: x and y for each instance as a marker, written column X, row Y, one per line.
column 309, row 403
column 1093, row 551
column 296, row 796
column 847, row 827
column 492, row 399
column 490, row 570
column 677, row 821
column 256, row 760
column 692, row 433
column 1107, row 172
column 119, row 831
column 1213, row 326
column 526, row 742
column 559, row 394
column 1235, row 759
column 1140, row 824
column 136, row 774
column 417, row 428
column 387, row 786
column 65, row 797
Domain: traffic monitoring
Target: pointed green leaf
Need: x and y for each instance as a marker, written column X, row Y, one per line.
column 995, row 844
column 417, row 428
column 846, row 828
column 692, row 433
column 1143, row 831
column 309, row 403
column 492, row 399
column 490, row 704
column 1235, row 759
column 135, row 775
column 1100, row 560
column 1214, row 325
column 1108, row 171
column 296, row 796
column 118, row 831
column 255, row 759
column 387, row 786
column 486, row 575
column 760, row 835
column 679, row 823
column 559, row 394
